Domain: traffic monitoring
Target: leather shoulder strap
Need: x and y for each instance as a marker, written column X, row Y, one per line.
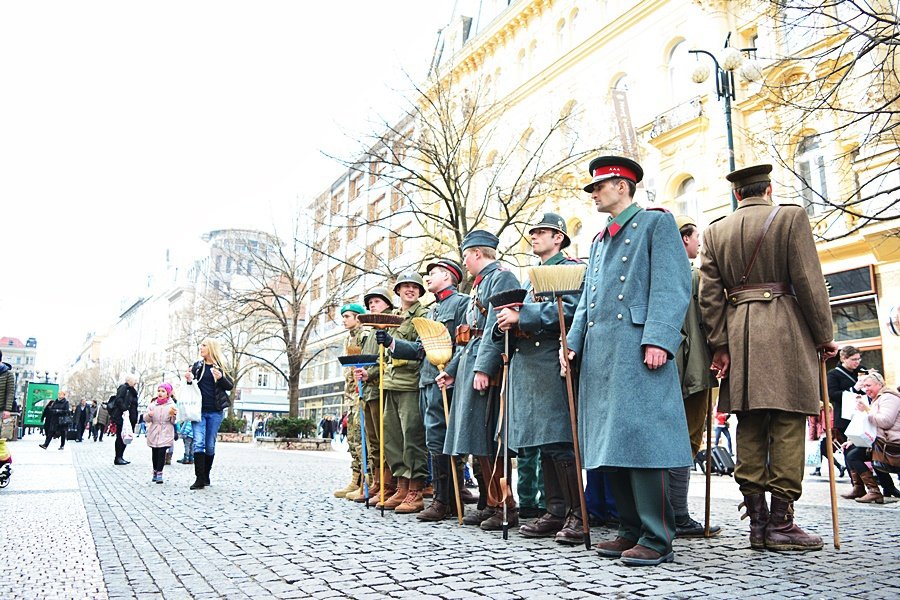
column 759, row 241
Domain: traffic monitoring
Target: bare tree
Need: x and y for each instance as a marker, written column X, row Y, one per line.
column 451, row 166
column 837, row 75
column 89, row 384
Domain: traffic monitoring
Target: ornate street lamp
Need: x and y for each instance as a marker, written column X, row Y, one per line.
column 732, row 60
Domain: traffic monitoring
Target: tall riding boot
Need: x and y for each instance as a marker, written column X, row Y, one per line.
column 495, row 499
column 858, row 490
column 398, row 496
column 441, row 503
column 207, row 467
column 483, row 510
column 873, row 492
column 783, row 534
column 554, row 502
column 465, row 494
column 758, row 511
column 887, row 484
column 199, row 471
column 573, row 531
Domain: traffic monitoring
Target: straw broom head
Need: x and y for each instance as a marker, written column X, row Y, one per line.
column 381, row 321
column 352, row 349
column 557, row 279
column 436, row 340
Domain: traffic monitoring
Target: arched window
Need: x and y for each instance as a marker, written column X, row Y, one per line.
column 686, row 198
column 561, row 31
column 680, row 65
column 622, row 84
column 810, row 167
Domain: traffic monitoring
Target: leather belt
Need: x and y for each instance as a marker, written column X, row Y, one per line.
column 758, row 292
column 477, row 333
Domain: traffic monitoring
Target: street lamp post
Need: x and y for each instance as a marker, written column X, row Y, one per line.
column 732, row 60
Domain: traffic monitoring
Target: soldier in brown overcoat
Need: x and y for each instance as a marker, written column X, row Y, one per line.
column 765, row 307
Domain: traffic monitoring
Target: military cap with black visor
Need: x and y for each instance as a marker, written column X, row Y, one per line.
column 553, row 221
column 607, row 167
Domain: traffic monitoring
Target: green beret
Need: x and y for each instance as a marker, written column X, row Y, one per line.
column 353, row 307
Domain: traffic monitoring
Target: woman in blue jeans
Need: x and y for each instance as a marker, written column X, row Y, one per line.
column 214, row 385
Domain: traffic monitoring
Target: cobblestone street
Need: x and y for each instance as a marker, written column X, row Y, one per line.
column 78, row 527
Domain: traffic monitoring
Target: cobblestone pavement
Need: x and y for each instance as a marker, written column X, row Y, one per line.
column 270, row 528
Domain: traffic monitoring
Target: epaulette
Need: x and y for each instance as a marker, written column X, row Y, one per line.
column 572, row 260
column 599, row 235
column 717, row 220
column 659, row 209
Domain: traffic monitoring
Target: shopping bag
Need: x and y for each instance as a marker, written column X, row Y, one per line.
column 127, row 431
column 860, row 432
column 848, row 404
column 189, row 403
column 813, row 453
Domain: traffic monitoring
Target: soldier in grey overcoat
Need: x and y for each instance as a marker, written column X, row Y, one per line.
column 448, row 308
column 626, row 330
column 765, row 325
column 475, row 410
column 538, row 405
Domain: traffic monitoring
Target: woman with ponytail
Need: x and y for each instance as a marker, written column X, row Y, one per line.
column 214, row 385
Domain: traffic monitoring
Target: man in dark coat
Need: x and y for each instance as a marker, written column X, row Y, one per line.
column 765, row 306
column 126, row 401
column 56, row 416
column 82, row 418
column 626, row 330
column 449, row 308
column 538, row 402
column 474, row 415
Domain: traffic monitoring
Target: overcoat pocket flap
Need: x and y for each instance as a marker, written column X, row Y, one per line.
column 638, row 314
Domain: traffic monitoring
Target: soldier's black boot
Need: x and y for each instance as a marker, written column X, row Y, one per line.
column 573, row 530
column 440, row 479
column 554, row 502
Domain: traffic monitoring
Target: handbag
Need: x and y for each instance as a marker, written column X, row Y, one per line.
column 886, row 453
column 127, row 431
column 189, row 403
column 813, row 453
column 861, row 432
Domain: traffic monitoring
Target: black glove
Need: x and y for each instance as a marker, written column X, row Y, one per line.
column 383, row 338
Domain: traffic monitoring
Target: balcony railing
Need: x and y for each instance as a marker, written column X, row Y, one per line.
column 678, row 115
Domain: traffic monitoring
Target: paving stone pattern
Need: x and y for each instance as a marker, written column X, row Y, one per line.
column 269, row 528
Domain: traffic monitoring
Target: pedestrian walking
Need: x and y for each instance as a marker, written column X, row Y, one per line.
column 625, row 333
column 722, row 428
column 160, row 417
column 186, row 431
column 57, row 416
column 761, row 289
column 214, row 384
column 123, row 404
column 83, row 417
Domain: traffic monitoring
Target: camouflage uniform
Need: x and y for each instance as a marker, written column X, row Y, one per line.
column 351, row 400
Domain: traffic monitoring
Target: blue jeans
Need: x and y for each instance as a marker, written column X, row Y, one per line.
column 205, row 431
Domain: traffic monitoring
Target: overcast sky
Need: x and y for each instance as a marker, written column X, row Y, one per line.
column 128, row 128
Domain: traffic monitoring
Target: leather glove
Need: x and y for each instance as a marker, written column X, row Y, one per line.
column 383, row 338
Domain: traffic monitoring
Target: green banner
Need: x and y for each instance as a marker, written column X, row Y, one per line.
column 36, row 399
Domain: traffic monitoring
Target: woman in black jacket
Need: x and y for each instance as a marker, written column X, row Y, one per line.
column 56, row 416
column 214, row 385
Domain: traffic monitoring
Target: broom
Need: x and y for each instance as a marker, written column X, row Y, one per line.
column 356, row 360
column 381, row 321
column 826, row 407
column 558, row 281
column 507, row 299
column 439, row 349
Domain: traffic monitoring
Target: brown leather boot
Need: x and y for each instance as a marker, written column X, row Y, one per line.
column 428, row 491
column 398, row 497
column 758, row 512
column 555, row 499
column 413, row 502
column 858, row 491
column 495, row 521
column 477, row 517
column 783, row 534
column 614, row 548
column 573, row 531
column 438, row 511
column 546, row 526
column 873, row 492
column 389, row 483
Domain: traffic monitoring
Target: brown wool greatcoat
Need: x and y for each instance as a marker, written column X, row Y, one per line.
column 772, row 341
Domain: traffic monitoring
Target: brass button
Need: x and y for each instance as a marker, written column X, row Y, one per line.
column 537, row 344
column 734, row 298
column 767, row 295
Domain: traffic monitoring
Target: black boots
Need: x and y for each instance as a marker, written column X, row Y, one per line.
column 573, row 531
column 207, row 467
column 199, row 471
column 555, row 502
column 441, row 481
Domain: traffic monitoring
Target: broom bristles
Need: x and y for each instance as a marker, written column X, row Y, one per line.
column 351, row 350
column 435, row 339
column 380, row 321
column 508, row 297
column 557, row 279
column 358, row 359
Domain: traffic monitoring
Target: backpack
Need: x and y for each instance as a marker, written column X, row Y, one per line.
column 111, row 404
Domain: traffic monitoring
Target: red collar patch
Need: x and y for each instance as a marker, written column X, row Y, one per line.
column 444, row 294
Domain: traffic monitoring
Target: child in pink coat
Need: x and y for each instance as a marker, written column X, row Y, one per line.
column 160, row 419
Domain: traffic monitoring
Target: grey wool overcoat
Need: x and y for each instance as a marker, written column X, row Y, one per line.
column 636, row 293
column 538, row 404
column 771, row 339
column 473, row 415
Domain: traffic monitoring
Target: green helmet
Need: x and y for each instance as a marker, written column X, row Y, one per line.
column 378, row 292
column 411, row 277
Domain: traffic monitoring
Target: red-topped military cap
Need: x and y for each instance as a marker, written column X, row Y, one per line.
column 607, row 167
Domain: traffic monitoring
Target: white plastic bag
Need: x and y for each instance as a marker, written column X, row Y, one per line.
column 848, row 404
column 189, row 403
column 813, row 453
column 127, row 431
column 861, row 432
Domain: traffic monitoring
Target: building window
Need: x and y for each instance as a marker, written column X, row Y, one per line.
column 680, row 64
column 855, row 320
column 810, row 167
column 219, row 263
column 686, row 198
column 229, row 264
column 262, row 379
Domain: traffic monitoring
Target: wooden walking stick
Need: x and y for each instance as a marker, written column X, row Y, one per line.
column 557, row 281
column 381, row 321
column 355, row 360
column 507, row 299
column 439, row 350
column 708, row 469
column 823, row 384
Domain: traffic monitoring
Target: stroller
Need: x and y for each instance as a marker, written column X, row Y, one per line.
column 5, row 464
